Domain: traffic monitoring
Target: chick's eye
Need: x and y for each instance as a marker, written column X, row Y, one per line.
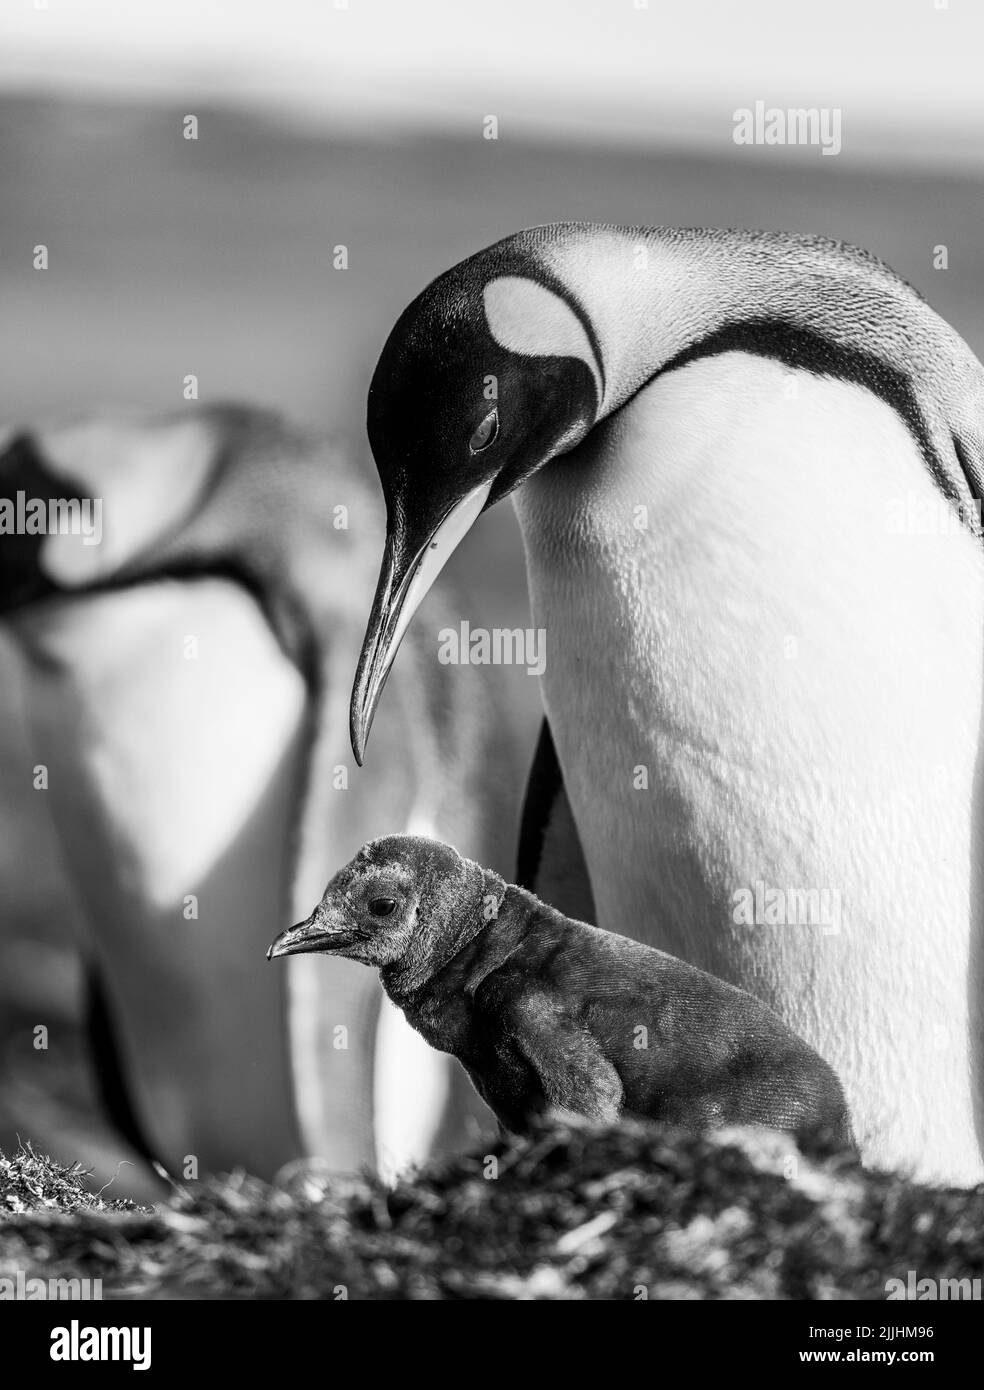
column 382, row 907
column 485, row 434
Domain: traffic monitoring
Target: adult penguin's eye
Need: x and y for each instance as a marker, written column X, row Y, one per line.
column 486, row 433
column 382, row 907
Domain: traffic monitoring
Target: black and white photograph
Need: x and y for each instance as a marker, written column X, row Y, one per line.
column 492, row 668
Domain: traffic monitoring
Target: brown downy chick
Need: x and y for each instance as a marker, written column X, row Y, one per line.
column 548, row 1013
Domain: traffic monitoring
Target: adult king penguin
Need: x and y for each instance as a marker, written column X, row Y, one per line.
column 185, row 688
column 745, row 466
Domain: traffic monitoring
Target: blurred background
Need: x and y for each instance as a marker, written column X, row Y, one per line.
column 362, row 124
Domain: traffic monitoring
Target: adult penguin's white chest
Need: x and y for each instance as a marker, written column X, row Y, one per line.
column 763, row 676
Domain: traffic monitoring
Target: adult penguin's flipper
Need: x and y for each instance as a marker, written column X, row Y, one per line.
column 550, row 861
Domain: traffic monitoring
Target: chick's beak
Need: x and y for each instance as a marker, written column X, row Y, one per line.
column 307, row 937
column 409, row 569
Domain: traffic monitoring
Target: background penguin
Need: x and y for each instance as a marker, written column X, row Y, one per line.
column 549, row 1013
column 184, row 685
column 747, row 467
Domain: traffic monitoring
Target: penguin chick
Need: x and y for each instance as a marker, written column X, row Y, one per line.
column 547, row 1013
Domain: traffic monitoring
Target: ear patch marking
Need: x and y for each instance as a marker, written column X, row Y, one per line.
column 526, row 318
column 148, row 477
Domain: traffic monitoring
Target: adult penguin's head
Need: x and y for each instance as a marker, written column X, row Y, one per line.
column 488, row 375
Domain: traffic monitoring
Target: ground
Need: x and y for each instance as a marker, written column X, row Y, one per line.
column 628, row 1212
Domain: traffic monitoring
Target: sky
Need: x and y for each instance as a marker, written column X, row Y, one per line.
column 905, row 73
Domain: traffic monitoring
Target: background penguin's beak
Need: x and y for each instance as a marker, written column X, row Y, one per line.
column 408, row 571
column 307, row 937
column 22, row 580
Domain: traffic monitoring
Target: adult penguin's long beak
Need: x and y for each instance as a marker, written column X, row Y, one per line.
column 410, row 566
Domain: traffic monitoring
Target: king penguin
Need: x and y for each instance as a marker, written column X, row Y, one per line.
column 747, row 469
column 185, row 692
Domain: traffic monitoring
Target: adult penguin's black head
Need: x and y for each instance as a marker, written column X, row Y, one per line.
column 489, row 374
